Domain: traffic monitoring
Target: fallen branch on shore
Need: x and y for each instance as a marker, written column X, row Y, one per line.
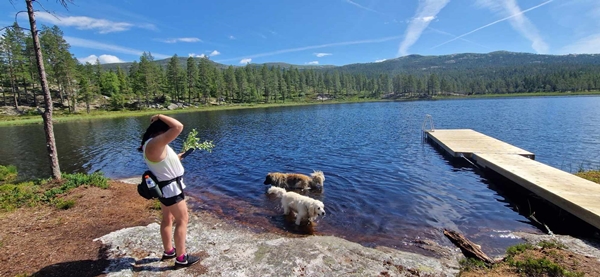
column 468, row 248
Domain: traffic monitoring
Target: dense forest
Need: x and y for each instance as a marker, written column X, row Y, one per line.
column 195, row 81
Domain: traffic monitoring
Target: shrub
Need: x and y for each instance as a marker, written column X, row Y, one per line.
column 8, row 173
column 519, row 248
column 14, row 196
column 546, row 244
column 471, row 264
column 64, row 204
column 542, row 267
column 31, row 193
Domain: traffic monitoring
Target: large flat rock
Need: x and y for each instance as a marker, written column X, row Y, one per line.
column 229, row 250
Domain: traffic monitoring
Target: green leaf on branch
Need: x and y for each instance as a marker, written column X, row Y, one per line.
column 193, row 142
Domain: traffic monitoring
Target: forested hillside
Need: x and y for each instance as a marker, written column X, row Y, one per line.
column 196, row 81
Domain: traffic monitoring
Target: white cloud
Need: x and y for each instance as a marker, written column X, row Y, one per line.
column 586, row 45
column 493, row 23
column 193, row 55
column 175, row 40
column 426, row 12
column 320, row 55
column 361, row 6
column 518, row 21
column 245, row 61
column 382, row 60
column 283, row 51
column 427, row 18
column 103, row 59
column 231, row 37
column 214, row 53
column 90, row 44
column 89, row 59
column 147, row 26
column 313, row 63
column 84, row 23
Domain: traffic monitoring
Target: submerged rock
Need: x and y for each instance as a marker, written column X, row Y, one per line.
column 228, row 250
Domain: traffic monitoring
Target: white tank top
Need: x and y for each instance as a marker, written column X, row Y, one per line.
column 167, row 169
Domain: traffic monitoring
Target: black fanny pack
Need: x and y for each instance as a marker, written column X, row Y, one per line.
column 156, row 191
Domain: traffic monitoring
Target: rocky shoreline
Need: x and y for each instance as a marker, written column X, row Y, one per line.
column 114, row 232
column 229, row 249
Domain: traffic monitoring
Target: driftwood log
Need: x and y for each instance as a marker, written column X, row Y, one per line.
column 468, row 248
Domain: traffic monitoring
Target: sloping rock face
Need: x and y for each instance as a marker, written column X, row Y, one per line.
column 228, row 250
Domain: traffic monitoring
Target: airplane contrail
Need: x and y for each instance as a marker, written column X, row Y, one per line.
column 313, row 47
column 361, row 6
column 490, row 24
column 453, row 35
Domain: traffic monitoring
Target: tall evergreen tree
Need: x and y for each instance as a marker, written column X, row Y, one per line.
column 230, row 83
column 192, row 78
column 47, row 115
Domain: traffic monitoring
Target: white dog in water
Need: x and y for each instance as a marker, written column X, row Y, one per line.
column 303, row 206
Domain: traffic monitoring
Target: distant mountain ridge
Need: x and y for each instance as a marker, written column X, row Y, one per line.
column 418, row 64
column 183, row 62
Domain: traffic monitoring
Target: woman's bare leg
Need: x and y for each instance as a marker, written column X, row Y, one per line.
column 166, row 229
column 180, row 213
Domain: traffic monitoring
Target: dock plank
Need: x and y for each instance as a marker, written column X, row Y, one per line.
column 575, row 195
column 465, row 142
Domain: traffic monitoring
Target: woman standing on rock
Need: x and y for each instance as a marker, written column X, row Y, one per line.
column 165, row 164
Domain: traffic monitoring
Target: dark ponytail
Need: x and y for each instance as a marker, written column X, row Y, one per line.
column 153, row 130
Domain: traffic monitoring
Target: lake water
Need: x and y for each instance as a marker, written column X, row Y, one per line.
column 383, row 185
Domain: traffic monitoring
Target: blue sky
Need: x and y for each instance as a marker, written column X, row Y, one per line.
column 334, row 32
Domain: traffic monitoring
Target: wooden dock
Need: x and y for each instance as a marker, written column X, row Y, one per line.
column 465, row 142
column 571, row 193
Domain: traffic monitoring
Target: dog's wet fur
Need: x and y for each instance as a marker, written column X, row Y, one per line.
column 296, row 181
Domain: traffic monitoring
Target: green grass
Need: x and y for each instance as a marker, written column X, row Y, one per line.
column 592, row 175
column 524, row 264
column 519, row 248
column 8, row 174
column 155, row 205
column 471, row 264
column 546, row 244
column 64, row 204
column 26, row 194
column 72, row 181
column 538, row 266
column 541, row 267
column 45, row 191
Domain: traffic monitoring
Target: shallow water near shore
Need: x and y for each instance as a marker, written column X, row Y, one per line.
column 384, row 185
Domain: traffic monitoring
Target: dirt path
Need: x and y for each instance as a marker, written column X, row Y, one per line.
column 45, row 241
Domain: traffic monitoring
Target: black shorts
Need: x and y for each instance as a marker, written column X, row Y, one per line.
column 172, row 200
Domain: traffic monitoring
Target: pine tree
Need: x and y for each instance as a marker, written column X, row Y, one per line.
column 242, row 84
column 172, row 75
column 13, row 49
column 192, row 78
column 47, row 115
column 230, row 83
column 205, row 78
column 86, row 86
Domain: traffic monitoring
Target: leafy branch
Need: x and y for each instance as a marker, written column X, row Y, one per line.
column 192, row 141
